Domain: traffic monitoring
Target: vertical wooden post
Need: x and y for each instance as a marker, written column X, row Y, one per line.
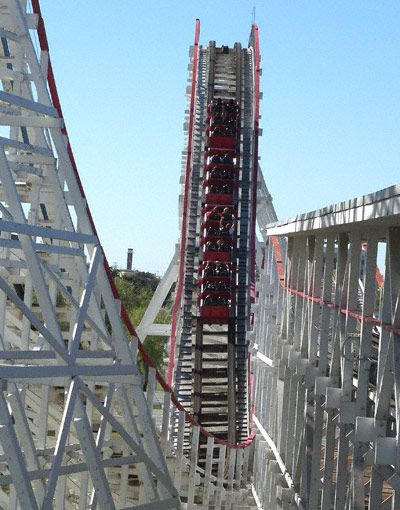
column 231, row 382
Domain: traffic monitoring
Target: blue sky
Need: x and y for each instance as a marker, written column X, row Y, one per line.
column 330, row 112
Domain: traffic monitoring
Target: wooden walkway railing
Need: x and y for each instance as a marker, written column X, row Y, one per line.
column 326, row 351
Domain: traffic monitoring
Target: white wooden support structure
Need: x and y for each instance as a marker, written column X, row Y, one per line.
column 75, row 428
column 327, row 410
column 147, row 325
column 223, row 482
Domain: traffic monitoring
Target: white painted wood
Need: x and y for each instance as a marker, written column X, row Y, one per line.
column 179, row 465
column 193, row 466
column 165, row 445
column 313, row 378
column 151, row 387
column 147, row 325
column 55, row 299
column 13, row 455
column 327, row 346
column 207, row 476
column 93, row 459
column 221, row 466
column 25, row 438
column 230, row 478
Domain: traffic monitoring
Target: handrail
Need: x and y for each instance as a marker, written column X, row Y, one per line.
column 124, row 315
column 320, row 301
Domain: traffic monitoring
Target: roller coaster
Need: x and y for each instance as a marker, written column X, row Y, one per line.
column 217, row 248
column 282, row 384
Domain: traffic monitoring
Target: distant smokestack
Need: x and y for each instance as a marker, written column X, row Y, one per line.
column 129, row 260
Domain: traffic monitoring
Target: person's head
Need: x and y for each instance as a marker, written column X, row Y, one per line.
column 216, row 209
column 226, row 210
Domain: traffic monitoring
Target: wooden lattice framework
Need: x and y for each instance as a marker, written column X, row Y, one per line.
column 326, row 339
column 75, row 427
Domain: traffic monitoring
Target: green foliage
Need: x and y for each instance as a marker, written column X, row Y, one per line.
column 20, row 289
column 155, row 348
column 114, row 272
column 60, row 300
column 136, row 290
column 135, row 297
column 378, row 299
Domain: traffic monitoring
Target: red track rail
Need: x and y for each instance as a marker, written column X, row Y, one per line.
column 124, row 316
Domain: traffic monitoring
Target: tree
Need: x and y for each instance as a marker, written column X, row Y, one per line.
column 135, row 292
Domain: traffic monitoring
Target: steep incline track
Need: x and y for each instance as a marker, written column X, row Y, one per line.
column 212, row 307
